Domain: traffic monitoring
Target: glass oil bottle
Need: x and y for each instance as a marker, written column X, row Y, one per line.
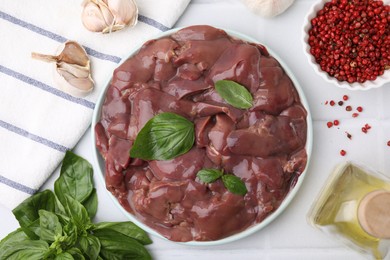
column 354, row 206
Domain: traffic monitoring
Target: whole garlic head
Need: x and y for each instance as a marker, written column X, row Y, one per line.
column 268, row 8
column 108, row 16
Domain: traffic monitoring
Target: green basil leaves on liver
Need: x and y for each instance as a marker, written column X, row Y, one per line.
column 234, row 94
column 234, row 184
column 231, row 182
column 209, row 175
column 164, row 137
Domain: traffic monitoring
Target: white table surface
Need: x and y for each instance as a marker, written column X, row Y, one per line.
column 289, row 236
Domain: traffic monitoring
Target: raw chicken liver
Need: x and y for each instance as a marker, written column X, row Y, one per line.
column 264, row 145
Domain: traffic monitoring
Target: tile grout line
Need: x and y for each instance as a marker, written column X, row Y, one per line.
column 381, row 136
column 267, row 247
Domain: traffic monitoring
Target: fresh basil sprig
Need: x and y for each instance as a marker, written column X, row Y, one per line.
column 164, row 137
column 59, row 225
column 231, row 182
column 234, row 94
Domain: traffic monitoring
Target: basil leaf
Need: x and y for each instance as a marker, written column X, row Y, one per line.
column 234, row 184
column 75, row 178
column 27, row 211
column 115, row 245
column 91, row 204
column 77, row 213
column 209, row 175
column 10, row 246
column 76, row 253
column 64, row 256
column 24, row 248
column 234, row 94
column 33, row 228
column 126, row 228
column 50, row 226
column 90, row 246
column 11, row 239
column 164, row 137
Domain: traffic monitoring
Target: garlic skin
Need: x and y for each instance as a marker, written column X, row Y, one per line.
column 108, row 16
column 268, row 8
column 71, row 70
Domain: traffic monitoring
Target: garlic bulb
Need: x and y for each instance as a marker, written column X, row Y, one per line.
column 108, row 16
column 72, row 71
column 268, row 8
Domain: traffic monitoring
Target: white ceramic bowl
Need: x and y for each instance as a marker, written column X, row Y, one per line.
column 380, row 81
column 100, row 162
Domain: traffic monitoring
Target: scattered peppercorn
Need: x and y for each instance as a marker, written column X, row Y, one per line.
column 360, row 109
column 336, row 122
column 367, row 126
column 329, row 124
column 345, row 97
column 355, row 115
column 331, row 103
column 348, row 108
column 364, row 130
column 341, row 103
column 343, row 152
column 349, row 135
column 388, row 143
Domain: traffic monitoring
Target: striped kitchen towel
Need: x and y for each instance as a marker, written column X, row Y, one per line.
column 39, row 122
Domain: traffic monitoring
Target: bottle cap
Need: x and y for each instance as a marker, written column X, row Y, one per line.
column 374, row 213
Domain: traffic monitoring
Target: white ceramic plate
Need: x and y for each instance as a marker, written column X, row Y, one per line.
column 369, row 84
column 100, row 162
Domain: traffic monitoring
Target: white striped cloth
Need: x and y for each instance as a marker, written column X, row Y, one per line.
column 38, row 122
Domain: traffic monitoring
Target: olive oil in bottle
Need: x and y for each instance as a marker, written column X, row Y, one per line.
column 354, row 205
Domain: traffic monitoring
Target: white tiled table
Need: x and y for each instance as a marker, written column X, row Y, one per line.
column 289, row 236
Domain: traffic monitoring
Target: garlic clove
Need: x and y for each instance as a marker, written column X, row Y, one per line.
column 73, row 53
column 107, row 14
column 124, row 11
column 82, row 84
column 93, row 18
column 268, row 8
column 72, row 71
column 70, row 52
column 76, row 70
column 78, row 87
